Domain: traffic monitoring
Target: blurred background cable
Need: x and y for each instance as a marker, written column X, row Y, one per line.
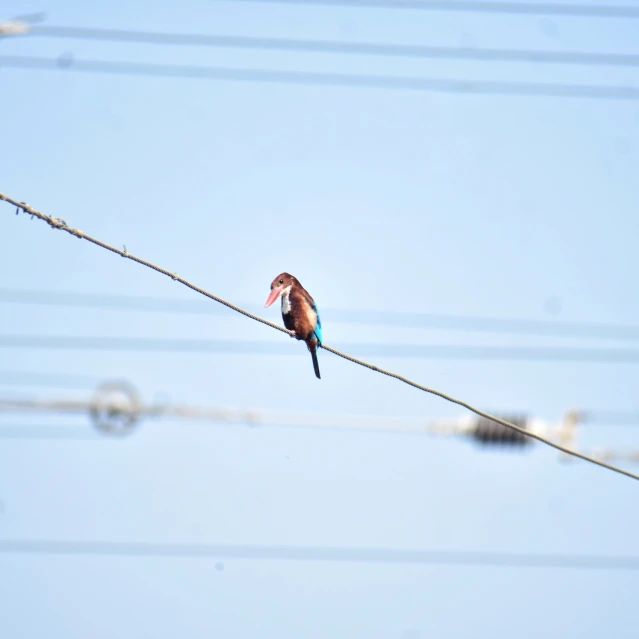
column 363, row 81
column 448, row 322
column 246, row 347
column 324, row 46
column 326, row 554
column 479, row 6
column 116, row 408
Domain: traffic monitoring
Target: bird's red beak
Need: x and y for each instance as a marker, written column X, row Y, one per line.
column 275, row 293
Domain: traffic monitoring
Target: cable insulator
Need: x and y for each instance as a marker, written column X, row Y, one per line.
column 116, row 408
column 489, row 432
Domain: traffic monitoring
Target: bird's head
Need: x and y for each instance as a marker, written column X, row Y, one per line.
column 279, row 285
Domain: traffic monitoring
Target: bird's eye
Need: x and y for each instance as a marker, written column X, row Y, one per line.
column 281, row 281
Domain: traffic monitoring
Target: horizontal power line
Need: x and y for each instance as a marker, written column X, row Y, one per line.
column 350, row 316
column 117, row 409
column 436, row 85
column 259, row 417
column 246, row 347
column 479, row 6
column 339, row 47
column 319, row 553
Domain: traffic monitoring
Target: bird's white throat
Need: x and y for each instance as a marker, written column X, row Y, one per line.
column 286, row 302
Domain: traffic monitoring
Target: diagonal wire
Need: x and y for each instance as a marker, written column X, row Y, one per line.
column 60, row 224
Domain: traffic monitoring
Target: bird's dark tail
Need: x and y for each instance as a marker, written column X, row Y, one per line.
column 312, row 346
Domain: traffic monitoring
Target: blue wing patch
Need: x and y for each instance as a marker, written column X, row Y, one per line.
column 318, row 328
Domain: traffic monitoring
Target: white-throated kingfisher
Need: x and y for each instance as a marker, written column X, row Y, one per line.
column 298, row 312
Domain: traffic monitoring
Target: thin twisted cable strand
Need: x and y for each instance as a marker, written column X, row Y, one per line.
column 61, row 225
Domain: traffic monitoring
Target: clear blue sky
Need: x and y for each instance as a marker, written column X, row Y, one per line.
column 374, row 199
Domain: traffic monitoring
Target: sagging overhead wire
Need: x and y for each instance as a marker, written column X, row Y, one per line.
column 60, row 224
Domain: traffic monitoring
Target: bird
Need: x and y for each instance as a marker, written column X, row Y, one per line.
column 299, row 313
